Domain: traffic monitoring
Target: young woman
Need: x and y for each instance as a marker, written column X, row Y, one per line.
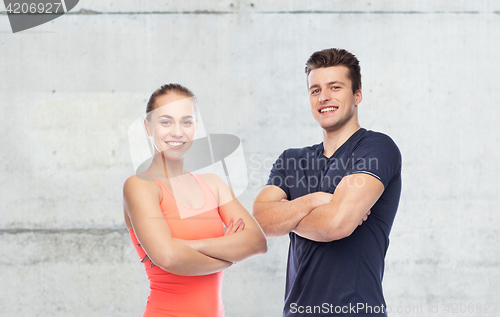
column 176, row 218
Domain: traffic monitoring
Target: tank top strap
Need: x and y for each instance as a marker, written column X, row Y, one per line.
column 153, row 176
column 211, row 200
column 157, row 181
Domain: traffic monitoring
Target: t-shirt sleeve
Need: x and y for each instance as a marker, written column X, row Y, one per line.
column 277, row 176
column 378, row 156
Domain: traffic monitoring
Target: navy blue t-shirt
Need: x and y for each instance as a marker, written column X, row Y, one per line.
column 341, row 277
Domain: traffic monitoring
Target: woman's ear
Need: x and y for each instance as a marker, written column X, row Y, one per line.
column 146, row 125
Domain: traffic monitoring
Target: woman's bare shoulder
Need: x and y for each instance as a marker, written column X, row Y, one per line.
column 136, row 184
column 213, row 181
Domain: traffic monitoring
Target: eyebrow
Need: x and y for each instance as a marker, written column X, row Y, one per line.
column 170, row 117
column 328, row 84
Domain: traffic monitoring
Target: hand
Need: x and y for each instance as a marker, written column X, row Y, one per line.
column 233, row 228
column 365, row 217
column 145, row 258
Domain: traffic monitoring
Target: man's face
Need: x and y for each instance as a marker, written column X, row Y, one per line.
column 330, row 93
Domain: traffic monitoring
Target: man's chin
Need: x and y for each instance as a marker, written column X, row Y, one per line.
column 328, row 127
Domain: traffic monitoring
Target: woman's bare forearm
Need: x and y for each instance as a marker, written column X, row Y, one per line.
column 181, row 259
column 235, row 247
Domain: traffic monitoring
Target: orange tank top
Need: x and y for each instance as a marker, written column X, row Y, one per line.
column 185, row 296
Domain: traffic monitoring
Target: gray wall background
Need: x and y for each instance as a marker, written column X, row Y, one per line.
column 69, row 89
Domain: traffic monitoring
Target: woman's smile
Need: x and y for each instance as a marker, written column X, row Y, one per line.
column 175, row 144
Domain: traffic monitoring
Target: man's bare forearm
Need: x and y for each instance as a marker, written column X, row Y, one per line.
column 319, row 225
column 278, row 218
column 326, row 223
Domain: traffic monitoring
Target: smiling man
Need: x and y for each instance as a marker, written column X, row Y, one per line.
column 336, row 200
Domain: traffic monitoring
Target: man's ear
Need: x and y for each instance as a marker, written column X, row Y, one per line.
column 358, row 96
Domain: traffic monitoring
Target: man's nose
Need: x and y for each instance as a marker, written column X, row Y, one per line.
column 324, row 96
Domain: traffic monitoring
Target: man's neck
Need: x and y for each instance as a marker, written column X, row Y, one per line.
column 334, row 139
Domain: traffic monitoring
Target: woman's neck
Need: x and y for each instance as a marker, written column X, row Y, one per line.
column 167, row 168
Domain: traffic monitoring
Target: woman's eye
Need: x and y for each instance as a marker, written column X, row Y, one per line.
column 165, row 122
column 188, row 122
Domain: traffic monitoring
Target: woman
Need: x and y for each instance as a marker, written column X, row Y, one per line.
column 181, row 240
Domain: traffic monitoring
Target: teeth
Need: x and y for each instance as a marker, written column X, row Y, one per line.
column 174, row 143
column 328, row 109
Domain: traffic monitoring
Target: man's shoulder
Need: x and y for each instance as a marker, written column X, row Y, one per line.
column 372, row 138
column 376, row 135
column 380, row 146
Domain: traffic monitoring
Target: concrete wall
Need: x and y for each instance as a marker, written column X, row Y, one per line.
column 69, row 89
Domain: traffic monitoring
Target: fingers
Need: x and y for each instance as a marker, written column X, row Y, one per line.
column 145, row 258
column 365, row 217
column 232, row 228
column 241, row 226
column 228, row 229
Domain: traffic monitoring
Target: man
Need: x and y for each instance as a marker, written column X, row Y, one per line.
column 321, row 194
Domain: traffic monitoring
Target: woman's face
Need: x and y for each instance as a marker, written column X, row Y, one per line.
column 172, row 125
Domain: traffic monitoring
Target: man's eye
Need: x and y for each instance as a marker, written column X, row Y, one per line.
column 315, row 91
column 336, row 87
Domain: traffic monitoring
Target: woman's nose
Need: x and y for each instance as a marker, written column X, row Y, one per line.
column 176, row 131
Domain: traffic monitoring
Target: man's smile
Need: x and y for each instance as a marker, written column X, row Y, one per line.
column 326, row 109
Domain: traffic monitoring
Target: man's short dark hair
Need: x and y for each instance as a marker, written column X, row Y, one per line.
column 335, row 57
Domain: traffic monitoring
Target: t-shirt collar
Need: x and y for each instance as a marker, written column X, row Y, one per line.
column 319, row 148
